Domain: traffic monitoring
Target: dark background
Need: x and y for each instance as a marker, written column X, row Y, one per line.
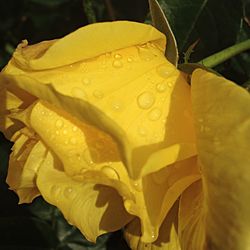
column 216, row 24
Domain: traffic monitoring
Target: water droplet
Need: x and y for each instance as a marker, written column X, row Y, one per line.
column 69, row 193
column 170, row 84
column 130, row 59
column 164, row 70
column 161, row 87
column 43, row 112
column 98, row 94
column 78, row 93
column 110, row 172
column 74, row 128
column 146, row 100
column 66, row 142
column 118, row 56
column 142, row 131
column 83, row 170
column 154, row 114
column 200, row 120
column 145, row 54
column 115, row 103
column 117, row 64
column 59, row 124
column 128, row 204
column 57, row 132
column 87, row 157
column 73, row 140
column 86, row 81
column 153, row 235
column 65, row 131
column 55, row 190
column 137, row 185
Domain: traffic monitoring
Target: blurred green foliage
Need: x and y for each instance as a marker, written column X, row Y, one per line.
column 214, row 24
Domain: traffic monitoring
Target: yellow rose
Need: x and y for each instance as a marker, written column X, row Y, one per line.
column 103, row 128
column 96, row 117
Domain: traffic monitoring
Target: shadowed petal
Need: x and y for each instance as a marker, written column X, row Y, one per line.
column 222, row 120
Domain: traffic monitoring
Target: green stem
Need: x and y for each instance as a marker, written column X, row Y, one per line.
column 225, row 54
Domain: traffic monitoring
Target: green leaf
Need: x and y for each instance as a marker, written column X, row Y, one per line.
column 161, row 23
column 183, row 16
column 215, row 23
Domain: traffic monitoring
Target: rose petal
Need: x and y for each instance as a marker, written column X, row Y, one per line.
column 191, row 223
column 222, row 120
column 85, row 43
column 94, row 209
column 145, row 134
column 157, row 192
column 167, row 240
column 25, row 160
column 11, row 101
column 89, row 154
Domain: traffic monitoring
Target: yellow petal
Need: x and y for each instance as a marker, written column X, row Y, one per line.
column 25, row 160
column 12, row 100
column 167, row 240
column 144, row 107
column 85, row 151
column 89, row 154
column 94, row 209
column 191, row 221
column 85, row 43
column 222, row 120
column 157, row 192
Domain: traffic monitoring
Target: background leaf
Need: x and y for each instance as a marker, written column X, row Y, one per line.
column 160, row 21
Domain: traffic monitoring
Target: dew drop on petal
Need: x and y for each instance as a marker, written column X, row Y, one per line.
column 145, row 54
column 153, row 235
column 164, row 71
column 145, row 100
column 154, row 114
column 115, row 104
column 98, row 94
column 161, row 87
column 73, row 140
column 170, row 84
column 117, row 64
column 137, row 185
column 118, row 56
column 110, row 172
column 74, row 128
column 130, row 59
column 128, row 204
column 69, row 193
column 78, row 93
column 86, row 81
column 59, row 124
column 65, row 131
column 142, row 131
column 87, row 157
column 57, row 132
